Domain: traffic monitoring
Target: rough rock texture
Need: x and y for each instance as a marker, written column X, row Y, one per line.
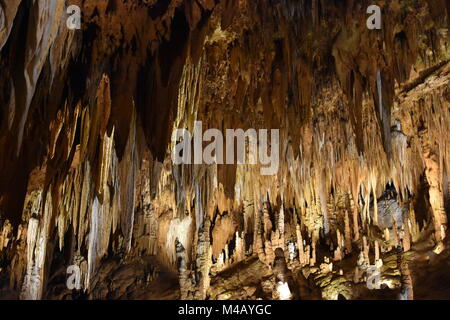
column 86, row 176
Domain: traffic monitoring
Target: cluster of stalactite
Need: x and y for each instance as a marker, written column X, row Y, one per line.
column 87, row 116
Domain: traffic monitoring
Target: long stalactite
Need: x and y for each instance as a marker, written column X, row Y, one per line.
column 86, row 123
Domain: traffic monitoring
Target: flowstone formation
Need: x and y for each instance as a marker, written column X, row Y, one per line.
column 92, row 205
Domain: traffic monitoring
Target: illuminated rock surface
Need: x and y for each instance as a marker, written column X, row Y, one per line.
column 86, row 176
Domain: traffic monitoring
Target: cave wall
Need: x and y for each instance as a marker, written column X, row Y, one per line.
column 87, row 117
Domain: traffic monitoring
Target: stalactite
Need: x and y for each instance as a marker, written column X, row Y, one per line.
column 86, row 149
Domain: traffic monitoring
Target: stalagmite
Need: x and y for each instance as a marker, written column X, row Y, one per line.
column 406, row 281
column 291, row 250
column 98, row 174
column 355, row 220
column 395, row 238
column 377, row 251
column 240, row 249
column 365, row 250
column 303, row 258
column 338, row 254
column 312, row 260
column 203, row 261
column 184, row 276
column 406, row 240
column 347, row 233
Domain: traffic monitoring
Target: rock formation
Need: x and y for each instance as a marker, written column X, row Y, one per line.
column 87, row 177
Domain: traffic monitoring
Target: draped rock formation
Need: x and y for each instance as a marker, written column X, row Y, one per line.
column 87, row 178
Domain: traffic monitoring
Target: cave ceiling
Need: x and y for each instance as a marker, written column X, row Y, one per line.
column 354, row 121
